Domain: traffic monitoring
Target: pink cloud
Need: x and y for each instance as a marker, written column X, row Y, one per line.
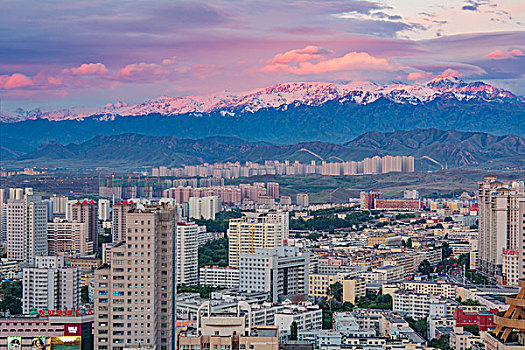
column 419, row 75
column 500, row 54
column 309, row 53
column 348, row 62
column 168, row 61
column 87, row 69
column 15, row 81
column 450, row 73
column 139, row 71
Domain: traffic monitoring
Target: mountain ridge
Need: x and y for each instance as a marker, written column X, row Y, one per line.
column 280, row 96
column 448, row 147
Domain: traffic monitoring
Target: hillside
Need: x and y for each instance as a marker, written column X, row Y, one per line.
column 452, row 148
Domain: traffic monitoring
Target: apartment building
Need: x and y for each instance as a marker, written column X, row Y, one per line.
column 26, row 229
column 445, row 290
column 69, row 238
column 187, row 253
column 215, row 276
column 281, row 272
column 204, row 207
column 87, row 212
column 256, row 230
column 135, row 296
column 418, row 305
column 500, row 224
column 353, row 289
column 118, row 219
column 50, row 285
column 318, row 283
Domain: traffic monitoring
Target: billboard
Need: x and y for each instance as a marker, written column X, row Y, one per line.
column 14, row 343
column 73, row 329
column 38, row 343
column 64, row 343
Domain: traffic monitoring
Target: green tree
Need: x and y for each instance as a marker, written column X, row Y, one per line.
column 445, row 251
column 472, row 328
column 293, row 331
column 84, row 295
column 420, row 326
column 375, row 301
column 425, row 268
column 214, row 253
column 470, row 302
column 204, row 291
column 335, row 291
column 441, row 343
column 11, row 293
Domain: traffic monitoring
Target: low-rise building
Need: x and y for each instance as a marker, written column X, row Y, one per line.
column 353, row 289
column 26, row 328
column 216, row 276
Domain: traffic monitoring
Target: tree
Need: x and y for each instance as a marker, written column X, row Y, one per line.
column 420, row 326
column 445, row 251
column 375, row 301
column 335, row 291
column 293, row 331
column 472, row 328
column 425, row 268
column 12, row 297
column 214, row 253
column 409, row 243
column 470, row 302
column 441, row 343
column 84, row 294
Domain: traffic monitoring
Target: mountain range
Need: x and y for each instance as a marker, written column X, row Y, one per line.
column 282, row 114
column 450, row 148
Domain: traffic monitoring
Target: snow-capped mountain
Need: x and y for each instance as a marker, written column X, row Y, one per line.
column 281, row 96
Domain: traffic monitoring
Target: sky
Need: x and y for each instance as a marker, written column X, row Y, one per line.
column 58, row 54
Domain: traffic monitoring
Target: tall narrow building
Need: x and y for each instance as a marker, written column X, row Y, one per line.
column 499, row 225
column 256, row 230
column 118, row 220
column 87, row 212
column 26, row 229
column 187, row 253
column 135, row 296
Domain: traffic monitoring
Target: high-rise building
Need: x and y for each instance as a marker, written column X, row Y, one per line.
column 303, row 200
column 69, row 208
column 68, row 238
column 135, row 296
column 59, row 204
column 367, row 199
column 272, row 189
column 281, row 272
column 118, row 220
column 187, row 253
column 87, row 212
column 204, row 207
column 4, row 195
column 256, row 230
column 103, row 209
column 50, row 285
column 3, row 222
column 26, row 229
column 499, row 225
column 286, row 200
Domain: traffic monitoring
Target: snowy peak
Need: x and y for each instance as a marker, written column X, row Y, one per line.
column 281, row 96
column 447, row 82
